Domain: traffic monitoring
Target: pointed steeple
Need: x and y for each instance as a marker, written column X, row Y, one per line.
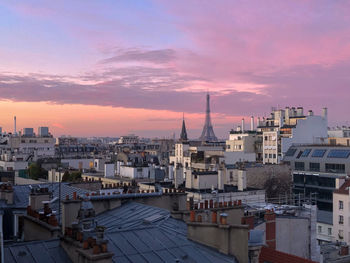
column 183, row 135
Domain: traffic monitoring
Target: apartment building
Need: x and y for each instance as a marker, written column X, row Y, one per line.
column 319, row 171
column 289, row 126
column 341, row 213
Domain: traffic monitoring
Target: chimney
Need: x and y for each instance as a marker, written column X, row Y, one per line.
column 221, row 179
column 287, row 113
column 69, row 211
column 6, row 193
column 15, row 128
column 300, row 111
column 226, row 238
column 252, row 123
column 37, row 196
column 242, row 180
column 325, row 113
column 344, row 250
column 258, row 122
column 243, row 128
column 270, row 220
column 248, row 220
column 311, row 113
column 83, row 240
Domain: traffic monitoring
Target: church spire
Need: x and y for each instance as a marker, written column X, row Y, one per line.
column 183, row 135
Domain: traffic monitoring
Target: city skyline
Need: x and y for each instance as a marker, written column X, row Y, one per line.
column 91, row 69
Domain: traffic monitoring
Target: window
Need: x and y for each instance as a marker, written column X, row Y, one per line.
column 291, row 152
column 228, row 146
column 335, row 168
column 319, row 229
column 300, row 166
column 341, row 234
column 274, row 156
column 341, row 205
column 329, row 231
column 306, row 153
column 265, row 155
column 314, row 167
column 318, row 153
column 338, row 154
column 341, row 220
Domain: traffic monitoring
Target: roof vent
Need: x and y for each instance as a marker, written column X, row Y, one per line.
column 153, row 218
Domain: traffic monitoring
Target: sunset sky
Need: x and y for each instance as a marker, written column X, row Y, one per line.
column 109, row 68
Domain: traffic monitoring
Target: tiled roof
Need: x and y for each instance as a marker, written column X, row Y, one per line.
column 274, row 256
column 48, row 251
column 344, row 188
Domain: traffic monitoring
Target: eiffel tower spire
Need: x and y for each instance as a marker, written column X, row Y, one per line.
column 183, row 135
column 208, row 132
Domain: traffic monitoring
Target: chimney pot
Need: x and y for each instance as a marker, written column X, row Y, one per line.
column 74, row 195
column 223, row 218
column 214, row 217
column 192, row 216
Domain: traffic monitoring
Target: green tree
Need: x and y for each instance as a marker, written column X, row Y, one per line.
column 34, row 171
column 66, row 177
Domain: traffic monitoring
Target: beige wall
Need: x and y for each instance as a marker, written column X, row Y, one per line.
column 228, row 239
column 345, row 227
column 34, row 229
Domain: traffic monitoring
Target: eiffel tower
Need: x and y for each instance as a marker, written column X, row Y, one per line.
column 208, row 132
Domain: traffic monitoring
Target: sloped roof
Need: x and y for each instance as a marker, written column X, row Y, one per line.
column 21, row 193
column 344, row 188
column 48, row 251
column 135, row 233
column 141, row 233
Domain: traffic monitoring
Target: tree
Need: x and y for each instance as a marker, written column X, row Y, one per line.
column 276, row 186
column 71, row 177
column 35, row 171
column 66, row 177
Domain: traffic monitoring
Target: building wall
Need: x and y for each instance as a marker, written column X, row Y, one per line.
column 292, row 235
column 312, row 130
column 234, row 157
column 270, row 147
column 78, row 163
column 134, row 172
column 323, row 234
column 247, row 197
column 337, row 227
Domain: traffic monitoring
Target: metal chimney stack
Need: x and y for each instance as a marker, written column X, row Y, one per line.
column 252, row 123
column 15, row 130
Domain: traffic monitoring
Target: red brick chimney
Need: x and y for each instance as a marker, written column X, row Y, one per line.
column 248, row 220
column 270, row 219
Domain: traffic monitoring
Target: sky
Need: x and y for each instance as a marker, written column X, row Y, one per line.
column 110, row 68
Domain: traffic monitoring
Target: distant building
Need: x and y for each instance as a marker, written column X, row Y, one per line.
column 290, row 126
column 129, row 139
column 28, row 132
column 43, row 131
